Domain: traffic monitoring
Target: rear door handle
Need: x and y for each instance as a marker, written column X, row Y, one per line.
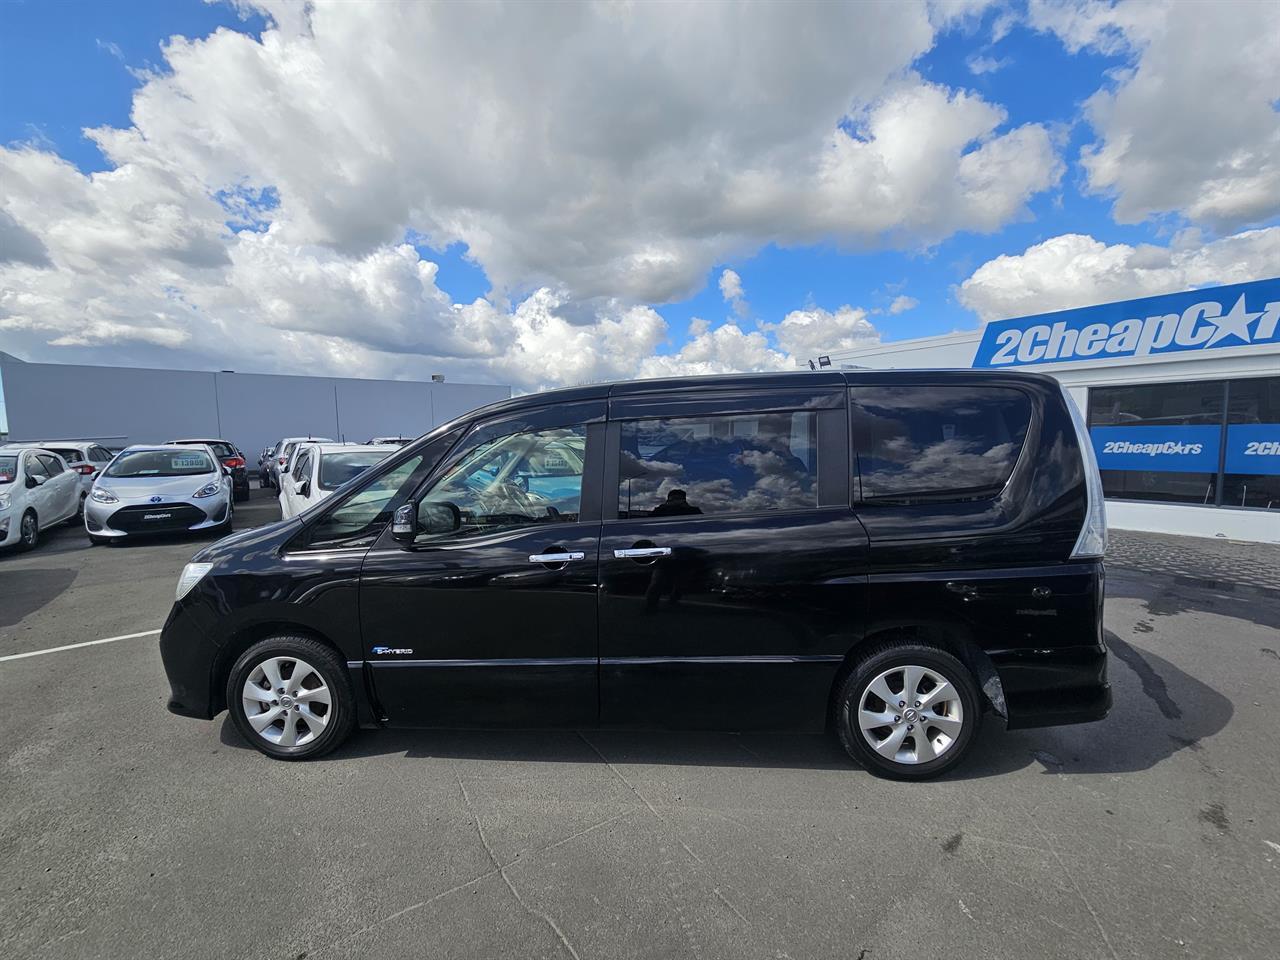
column 642, row 553
column 555, row 557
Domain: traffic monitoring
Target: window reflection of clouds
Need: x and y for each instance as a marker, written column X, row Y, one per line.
column 931, row 440
column 723, row 464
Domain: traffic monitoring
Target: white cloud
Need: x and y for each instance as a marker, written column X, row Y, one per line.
column 811, row 331
column 593, row 158
column 1075, row 270
column 903, row 303
column 731, row 290
column 979, row 64
column 1190, row 126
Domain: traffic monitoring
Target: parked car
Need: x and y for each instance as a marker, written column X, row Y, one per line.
column 164, row 488
column 230, row 456
column 283, row 451
column 888, row 554
column 264, row 467
column 318, row 469
column 389, row 441
column 37, row 491
column 85, row 457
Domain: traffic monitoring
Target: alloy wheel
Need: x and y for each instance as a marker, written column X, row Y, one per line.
column 30, row 530
column 910, row 714
column 287, row 702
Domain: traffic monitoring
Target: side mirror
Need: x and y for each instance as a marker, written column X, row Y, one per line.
column 439, row 517
column 304, row 488
column 34, row 481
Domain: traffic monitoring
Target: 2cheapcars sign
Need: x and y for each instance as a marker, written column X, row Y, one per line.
column 1216, row 318
column 1252, row 448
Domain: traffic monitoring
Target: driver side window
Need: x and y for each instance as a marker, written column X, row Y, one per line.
column 507, row 482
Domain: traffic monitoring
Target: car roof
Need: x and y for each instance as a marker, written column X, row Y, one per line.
column 164, row 447
column 16, row 448
column 351, row 447
column 174, row 443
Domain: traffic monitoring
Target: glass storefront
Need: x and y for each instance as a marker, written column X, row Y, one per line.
column 1211, row 442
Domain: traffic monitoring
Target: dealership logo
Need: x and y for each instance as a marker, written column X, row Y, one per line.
column 1234, row 316
column 1169, row 448
column 156, row 516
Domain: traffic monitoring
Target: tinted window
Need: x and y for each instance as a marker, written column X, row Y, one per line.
column 517, row 480
column 161, row 463
column 718, row 464
column 1253, row 444
column 51, row 464
column 100, row 454
column 362, row 515
column 1189, row 414
column 301, row 467
column 337, row 468
column 937, row 442
column 69, row 454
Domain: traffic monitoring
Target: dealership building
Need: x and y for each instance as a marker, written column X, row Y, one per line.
column 1181, row 394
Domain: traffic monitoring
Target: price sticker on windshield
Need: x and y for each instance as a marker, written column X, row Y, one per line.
column 189, row 461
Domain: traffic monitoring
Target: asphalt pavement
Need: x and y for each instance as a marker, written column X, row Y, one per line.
column 128, row 832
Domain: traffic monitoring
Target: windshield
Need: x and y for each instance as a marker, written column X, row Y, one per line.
column 220, row 449
column 337, row 468
column 161, row 463
column 8, row 468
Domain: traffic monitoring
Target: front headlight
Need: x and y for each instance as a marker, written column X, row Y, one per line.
column 209, row 489
column 4, row 501
column 192, row 574
column 102, row 495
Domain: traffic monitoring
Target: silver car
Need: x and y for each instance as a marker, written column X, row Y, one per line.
column 159, row 489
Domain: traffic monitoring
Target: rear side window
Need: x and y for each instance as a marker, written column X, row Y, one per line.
column 744, row 463
column 936, row 442
column 51, row 464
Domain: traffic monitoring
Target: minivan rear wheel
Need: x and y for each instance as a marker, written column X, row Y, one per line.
column 290, row 698
column 908, row 711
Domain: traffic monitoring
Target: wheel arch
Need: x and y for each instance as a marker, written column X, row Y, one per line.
column 246, row 637
column 954, row 637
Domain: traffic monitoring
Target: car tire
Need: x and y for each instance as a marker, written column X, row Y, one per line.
column 84, row 497
column 28, row 531
column 227, row 525
column 257, row 691
column 240, row 494
column 949, row 718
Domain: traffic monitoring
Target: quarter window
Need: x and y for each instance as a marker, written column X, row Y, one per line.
column 689, row 466
column 936, row 443
column 51, row 464
column 518, row 480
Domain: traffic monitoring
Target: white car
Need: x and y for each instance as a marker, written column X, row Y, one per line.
column 85, row 457
column 320, row 468
column 36, row 491
column 283, row 451
column 165, row 488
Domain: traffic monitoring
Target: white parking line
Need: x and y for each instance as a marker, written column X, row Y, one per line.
column 75, row 646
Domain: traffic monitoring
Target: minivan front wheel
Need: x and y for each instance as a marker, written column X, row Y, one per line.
column 908, row 712
column 290, row 698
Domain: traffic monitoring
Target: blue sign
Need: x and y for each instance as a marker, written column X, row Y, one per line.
column 1219, row 317
column 1253, row 448
column 1164, row 449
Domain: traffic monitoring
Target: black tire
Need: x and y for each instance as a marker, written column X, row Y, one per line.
column 330, row 668
column 856, row 687
column 80, row 512
column 28, row 531
column 241, row 494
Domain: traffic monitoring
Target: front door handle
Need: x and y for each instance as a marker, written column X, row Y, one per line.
column 642, row 553
column 555, row 557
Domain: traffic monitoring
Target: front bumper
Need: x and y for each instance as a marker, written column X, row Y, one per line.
column 133, row 517
column 188, row 655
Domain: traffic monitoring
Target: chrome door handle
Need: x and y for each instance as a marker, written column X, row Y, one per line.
column 555, row 557
column 642, row 553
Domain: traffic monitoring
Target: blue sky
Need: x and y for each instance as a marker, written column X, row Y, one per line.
column 69, row 65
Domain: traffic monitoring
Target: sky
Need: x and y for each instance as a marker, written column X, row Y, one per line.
column 548, row 194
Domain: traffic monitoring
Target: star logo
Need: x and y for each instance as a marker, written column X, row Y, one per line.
column 1236, row 323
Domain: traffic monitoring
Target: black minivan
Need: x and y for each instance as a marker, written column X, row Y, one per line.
column 889, row 554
